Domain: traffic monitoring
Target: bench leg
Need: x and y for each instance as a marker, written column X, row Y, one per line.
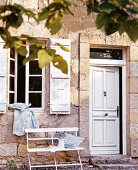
column 55, row 161
column 79, row 159
column 29, row 161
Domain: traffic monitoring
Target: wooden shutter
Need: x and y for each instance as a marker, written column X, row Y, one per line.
column 2, row 78
column 60, row 82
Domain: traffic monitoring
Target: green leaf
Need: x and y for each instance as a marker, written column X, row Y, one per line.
column 112, row 22
column 119, row 16
column 43, row 15
column 17, row 43
column 60, row 63
column 34, row 41
column 106, row 7
column 22, row 51
column 63, row 47
column 131, row 28
column 32, row 56
column 18, row 7
column 2, row 31
column 55, row 28
column 5, row 35
column 54, row 23
column 26, row 60
column 7, row 45
column 119, row 3
column 30, row 14
column 59, row 1
column 43, row 58
column 19, row 22
column 111, row 28
column 101, row 20
column 68, row 11
column 89, row 7
column 52, row 52
column 96, row 4
column 14, row 20
column 3, row 8
column 133, row 10
column 55, row 6
column 121, row 29
column 14, row 8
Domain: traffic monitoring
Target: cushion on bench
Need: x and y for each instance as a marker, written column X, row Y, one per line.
column 71, row 141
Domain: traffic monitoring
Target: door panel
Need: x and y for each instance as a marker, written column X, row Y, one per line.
column 110, row 90
column 110, row 132
column 104, row 99
column 98, row 90
column 98, row 138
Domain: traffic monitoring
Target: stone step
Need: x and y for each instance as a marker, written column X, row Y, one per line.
column 116, row 167
column 110, row 159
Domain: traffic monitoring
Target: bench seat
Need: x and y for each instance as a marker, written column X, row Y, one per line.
column 49, row 135
column 53, row 149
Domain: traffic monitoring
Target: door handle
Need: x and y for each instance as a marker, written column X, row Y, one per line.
column 106, row 114
column 118, row 111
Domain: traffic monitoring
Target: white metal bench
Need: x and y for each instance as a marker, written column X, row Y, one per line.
column 50, row 137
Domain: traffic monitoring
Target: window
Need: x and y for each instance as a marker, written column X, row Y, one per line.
column 26, row 83
column 12, row 77
column 99, row 53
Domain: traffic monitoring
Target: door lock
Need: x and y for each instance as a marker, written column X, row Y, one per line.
column 105, row 93
column 118, row 111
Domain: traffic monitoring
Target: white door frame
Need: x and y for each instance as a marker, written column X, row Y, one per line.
column 112, row 63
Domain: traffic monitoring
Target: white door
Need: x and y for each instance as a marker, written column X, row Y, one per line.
column 104, row 110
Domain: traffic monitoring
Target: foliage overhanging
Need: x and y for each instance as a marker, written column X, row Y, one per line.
column 112, row 16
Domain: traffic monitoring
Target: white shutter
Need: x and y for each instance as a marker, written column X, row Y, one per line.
column 60, row 82
column 2, row 78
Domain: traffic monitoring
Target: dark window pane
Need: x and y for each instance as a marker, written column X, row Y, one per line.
column 35, row 99
column 12, row 53
column 12, row 67
column 12, row 83
column 33, row 68
column 35, row 83
column 11, row 98
column 21, row 80
column 98, row 53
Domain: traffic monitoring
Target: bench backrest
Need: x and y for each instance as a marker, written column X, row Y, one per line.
column 68, row 129
column 48, row 134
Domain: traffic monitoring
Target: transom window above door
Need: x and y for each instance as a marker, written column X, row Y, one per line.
column 100, row 53
column 26, row 82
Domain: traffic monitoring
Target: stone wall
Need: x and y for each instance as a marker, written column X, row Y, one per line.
column 82, row 32
column 134, row 99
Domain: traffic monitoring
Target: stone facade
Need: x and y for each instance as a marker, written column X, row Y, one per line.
column 83, row 34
